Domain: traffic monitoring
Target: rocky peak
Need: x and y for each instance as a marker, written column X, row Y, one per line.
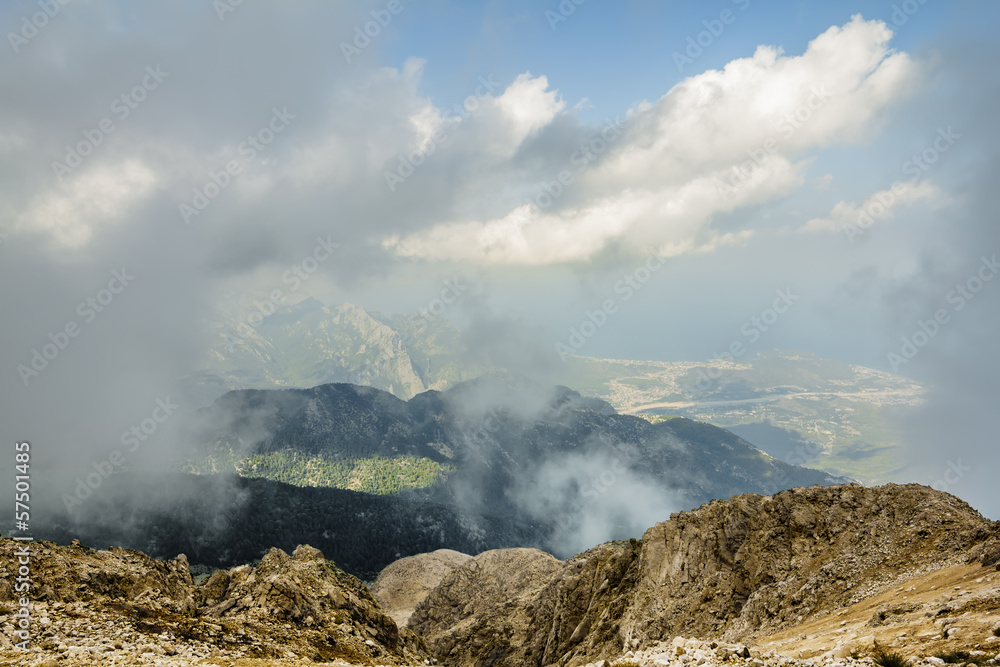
column 298, row 606
column 733, row 570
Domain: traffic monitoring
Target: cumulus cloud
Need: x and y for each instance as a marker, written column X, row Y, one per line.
column 718, row 141
column 657, row 179
column 527, row 105
column 881, row 206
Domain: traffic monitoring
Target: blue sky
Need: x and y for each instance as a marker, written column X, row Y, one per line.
column 594, row 53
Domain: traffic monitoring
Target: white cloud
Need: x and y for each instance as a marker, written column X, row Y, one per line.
column 659, row 184
column 656, row 186
column 527, row 235
column 73, row 212
column 847, row 75
column 390, row 120
column 883, row 205
column 528, row 106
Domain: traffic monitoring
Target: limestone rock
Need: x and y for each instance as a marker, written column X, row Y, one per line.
column 403, row 585
column 123, row 603
column 734, row 570
column 477, row 609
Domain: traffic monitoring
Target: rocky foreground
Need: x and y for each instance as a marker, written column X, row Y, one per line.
column 742, row 570
column 121, row 607
column 817, row 577
column 687, row 652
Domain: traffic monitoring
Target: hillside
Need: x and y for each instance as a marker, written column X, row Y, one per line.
column 797, row 407
column 735, row 571
column 511, row 464
column 304, row 343
column 222, row 521
column 499, row 445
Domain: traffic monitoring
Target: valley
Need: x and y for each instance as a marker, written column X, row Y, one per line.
column 805, row 410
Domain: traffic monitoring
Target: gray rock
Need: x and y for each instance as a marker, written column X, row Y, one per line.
column 680, row 580
column 404, row 584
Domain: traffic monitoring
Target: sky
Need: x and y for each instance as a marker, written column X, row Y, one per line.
column 155, row 157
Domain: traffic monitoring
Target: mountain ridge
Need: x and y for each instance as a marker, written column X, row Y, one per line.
column 732, row 570
column 804, row 578
column 542, row 455
column 844, row 415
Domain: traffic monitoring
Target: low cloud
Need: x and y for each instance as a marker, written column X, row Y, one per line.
column 593, row 496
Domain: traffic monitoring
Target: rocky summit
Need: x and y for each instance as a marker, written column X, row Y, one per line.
column 121, row 607
column 843, row 576
column 739, row 570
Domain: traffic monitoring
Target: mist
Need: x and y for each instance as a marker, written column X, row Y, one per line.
column 594, row 496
